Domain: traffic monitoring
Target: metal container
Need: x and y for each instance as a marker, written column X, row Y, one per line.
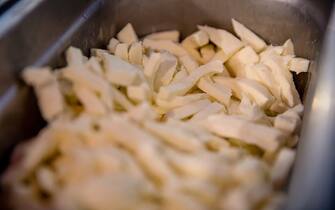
column 37, row 32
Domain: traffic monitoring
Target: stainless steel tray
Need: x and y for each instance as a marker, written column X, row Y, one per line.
column 37, row 32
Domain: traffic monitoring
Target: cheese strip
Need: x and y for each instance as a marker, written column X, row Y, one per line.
column 290, row 120
column 180, row 100
column 189, row 63
column 271, row 51
column 142, row 144
column 38, row 76
column 236, row 199
column 207, row 53
column 262, row 74
column 264, row 137
column 249, row 37
column 50, row 100
column 224, row 73
column 298, row 65
column 182, row 87
column 287, row 123
column 90, row 101
column 74, row 56
column 175, row 89
column 249, row 170
column 46, row 178
column 221, row 55
column 90, row 80
column 234, row 107
column 86, row 78
column 94, row 65
column 121, row 51
column 252, row 112
column 142, row 112
column 287, row 59
column 218, row 91
column 116, row 127
column 203, row 193
column 213, row 108
column 172, row 35
column 179, row 76
column 179, row 139
column 199, row 38
column 139, row 93
column 121, row 99
column 175, row 200
column 112, row 45
column 283, row 77
column 120, row 72
column 195, row 166
column 251, row 88
column 127, row 34
column 166, row 71
column 231, row 83
column 193, row 128
column 256, row 92
column 98, row 53
column 223, row 39
column 167, row 45
column 136, row 53
column 238, row 62
column 191, row 49
column 278, row 106
column 193, row 42
column 288, row 48
column 196, row 40
column 282, row 165
column 151, row 68
column 298, row 109
column 188, row 109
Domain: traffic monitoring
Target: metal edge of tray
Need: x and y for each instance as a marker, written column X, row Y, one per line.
column 313, row 180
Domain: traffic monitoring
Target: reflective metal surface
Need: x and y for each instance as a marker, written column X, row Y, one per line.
column 313, row 181
column 40, row 30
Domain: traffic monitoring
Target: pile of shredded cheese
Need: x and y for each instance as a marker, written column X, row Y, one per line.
column 151, row 124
